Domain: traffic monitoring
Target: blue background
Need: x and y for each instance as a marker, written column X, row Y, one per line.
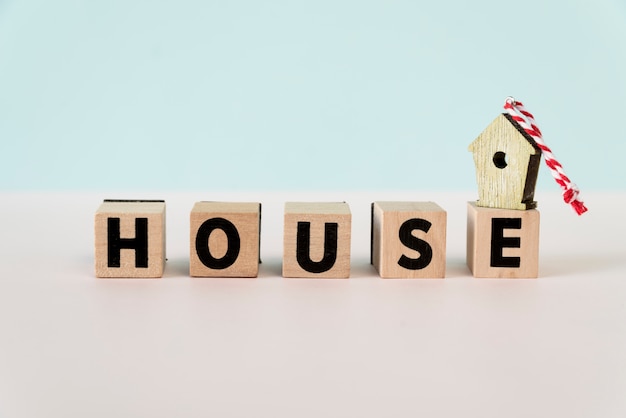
column 301, row 95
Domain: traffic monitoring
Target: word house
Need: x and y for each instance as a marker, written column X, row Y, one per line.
column 408, row 240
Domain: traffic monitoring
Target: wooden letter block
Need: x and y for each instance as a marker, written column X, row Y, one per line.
column 317, row 240
column 502, row 243
column 225, row 239
column 409, row 239
column 130, row 238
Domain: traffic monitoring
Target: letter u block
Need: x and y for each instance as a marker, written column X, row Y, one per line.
column 130, row 238
column 225, row 239
column 502, row 243
column 317, row 240
column 409, row 239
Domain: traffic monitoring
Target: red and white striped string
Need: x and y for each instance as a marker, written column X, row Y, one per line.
column 526, row 121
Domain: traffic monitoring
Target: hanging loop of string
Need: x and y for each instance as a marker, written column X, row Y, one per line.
column 526, row 121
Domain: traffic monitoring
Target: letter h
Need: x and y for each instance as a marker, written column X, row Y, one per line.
column 115, row 243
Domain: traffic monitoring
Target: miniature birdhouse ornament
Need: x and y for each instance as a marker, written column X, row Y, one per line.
column 503, row 225
column 507, row 155
column 507, row 164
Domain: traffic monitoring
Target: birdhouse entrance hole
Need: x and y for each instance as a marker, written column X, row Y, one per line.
column 499, row 159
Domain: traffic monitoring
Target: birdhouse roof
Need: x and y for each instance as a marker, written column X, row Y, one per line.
column 505, row 123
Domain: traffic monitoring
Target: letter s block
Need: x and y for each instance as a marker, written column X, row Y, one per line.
column 502, row 243
column 409, row 239
column 130, row 238
column 317, row 240
column 225, row 239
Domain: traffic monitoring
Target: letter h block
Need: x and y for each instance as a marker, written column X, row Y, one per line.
column 225, row 239
column 130, row 238
column 317, row 240
column 502, row 243
column 409, row 239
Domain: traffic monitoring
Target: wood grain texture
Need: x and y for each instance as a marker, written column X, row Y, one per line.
column 388, row 249
column 317, row 214
column 246, row 218
column 128, row 212
column 507, row 162
column 480, row 242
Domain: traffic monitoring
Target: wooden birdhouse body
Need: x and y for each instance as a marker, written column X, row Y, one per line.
column 507, row 162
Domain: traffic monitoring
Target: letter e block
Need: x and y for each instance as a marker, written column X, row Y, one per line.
column 225, row 239
column 502, row 243
column 130, row 238
column 317, row 240
column 409, row 239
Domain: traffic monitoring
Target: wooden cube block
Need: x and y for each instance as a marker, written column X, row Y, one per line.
column 502, row 243
column 225, row 239
column 317, row 240
column 409, row 239
column 130, row 238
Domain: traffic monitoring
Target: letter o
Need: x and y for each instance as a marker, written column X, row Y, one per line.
column 202, row 243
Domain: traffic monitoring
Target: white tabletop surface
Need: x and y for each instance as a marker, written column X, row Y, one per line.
column 72, row 345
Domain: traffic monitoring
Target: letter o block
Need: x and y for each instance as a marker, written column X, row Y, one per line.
column 502, row 243
column 409, row 239
column 224, row 239
column 317, row 240
column 130, row 238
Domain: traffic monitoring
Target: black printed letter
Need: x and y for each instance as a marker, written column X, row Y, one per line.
column 303, row 247
column 498, row 241
column 139, row 243
column 202, row 243
column 414, row 243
